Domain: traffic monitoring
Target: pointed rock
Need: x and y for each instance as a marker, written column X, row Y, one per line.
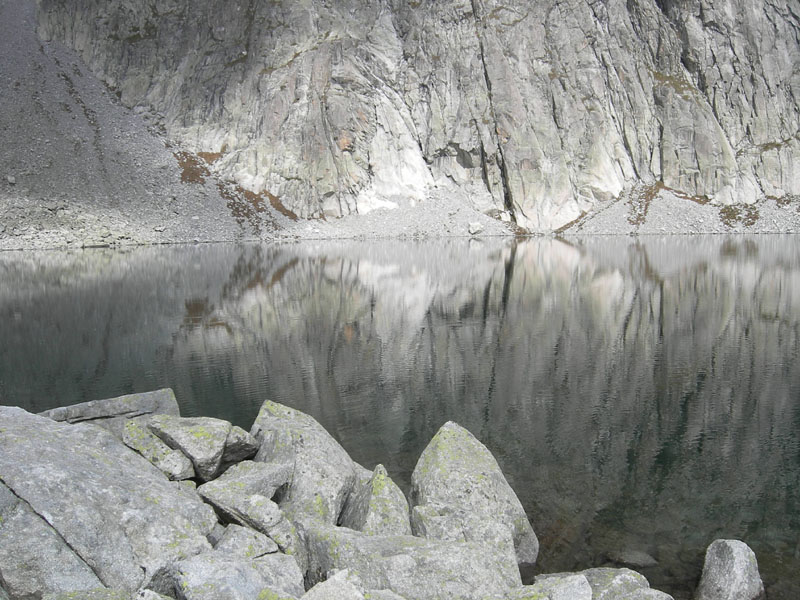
column 458, row 489
column 377, row 507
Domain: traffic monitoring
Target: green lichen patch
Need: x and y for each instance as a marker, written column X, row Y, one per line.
column 733, row 215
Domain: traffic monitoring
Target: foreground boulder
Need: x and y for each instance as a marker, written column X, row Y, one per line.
column 414, row 568
column 112, row 413
column 620, row 584
column 730, row 572
column 115, row 511
column 459, row 493
column 173, row 463
column 323, row 474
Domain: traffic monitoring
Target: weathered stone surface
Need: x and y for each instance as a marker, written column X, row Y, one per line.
column 621, row 584
column 457, row 488
column 730, row 572
column 216, row 576
column 323, row 474
column 234, row 495
column 414, row 568
column 635, row 559
column 117, row 512
column 112, row 413
column 377, row 507
column 34, row 559
column 173, row 463
column 201, row 439
column 245, row 542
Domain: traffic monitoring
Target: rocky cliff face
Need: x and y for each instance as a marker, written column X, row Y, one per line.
column 538, row 112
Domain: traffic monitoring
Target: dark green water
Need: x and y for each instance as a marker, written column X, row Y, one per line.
column 639, row 394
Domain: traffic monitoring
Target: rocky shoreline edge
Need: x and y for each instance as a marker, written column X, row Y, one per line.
column 124, row 499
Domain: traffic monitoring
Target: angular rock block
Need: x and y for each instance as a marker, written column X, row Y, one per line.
column 244, row 542
column 459, row 492
column 173, row 463
column 323, row 474
column 621, row 584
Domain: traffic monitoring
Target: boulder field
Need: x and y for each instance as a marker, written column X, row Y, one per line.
column 124, row 499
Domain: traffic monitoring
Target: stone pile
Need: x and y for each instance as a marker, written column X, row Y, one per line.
column 124, row 499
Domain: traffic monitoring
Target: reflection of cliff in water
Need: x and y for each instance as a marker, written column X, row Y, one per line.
column 638, row 394
column 637, row 400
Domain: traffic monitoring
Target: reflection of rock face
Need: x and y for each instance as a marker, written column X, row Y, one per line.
column 640, row 395
column 544, row 109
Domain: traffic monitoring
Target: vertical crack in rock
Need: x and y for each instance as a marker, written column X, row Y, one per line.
column 57, row 533
column 508, row 200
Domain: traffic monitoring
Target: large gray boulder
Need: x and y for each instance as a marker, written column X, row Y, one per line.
column 323, row 474
column 459, row 492
column 377, row 507
column 345, row 585
column 119, row 514
column 173, row 463
column 558, row 586
column 621, row 584
column 112, row 413
column 216, row 576
column 414, row 568
column 245, row 542
column 730, row 572
column 211, row 444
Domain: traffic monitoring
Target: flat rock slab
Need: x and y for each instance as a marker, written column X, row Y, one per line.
column 117, row 512
column 216, row 576
column 414, row 568
column 111, row 413
column 458, row 489
column 730, row 572
column 377, row 507
column 323, row 473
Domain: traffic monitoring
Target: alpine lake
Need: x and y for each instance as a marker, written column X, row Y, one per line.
column 641, row 394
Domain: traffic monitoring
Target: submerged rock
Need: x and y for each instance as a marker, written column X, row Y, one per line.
column 113, row 413
column 459, row 492
column 119, row 514
column 323, row 474
column 414, row 568
column 730, row 572
column 377, row 507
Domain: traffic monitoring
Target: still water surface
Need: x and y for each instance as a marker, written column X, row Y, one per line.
column 640, row 394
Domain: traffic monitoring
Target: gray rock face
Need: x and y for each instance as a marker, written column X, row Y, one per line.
column 544, row 110
column 730, row 572
column 122, row 517
column 412, row 567
column 323, row 474
column 215, row 576
column 245, row 542
column 337, row 587
column 113, row 413
column 377, row 507
column 459, row 492
column 173, row 463
column 34, row 558
column 566, row 586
